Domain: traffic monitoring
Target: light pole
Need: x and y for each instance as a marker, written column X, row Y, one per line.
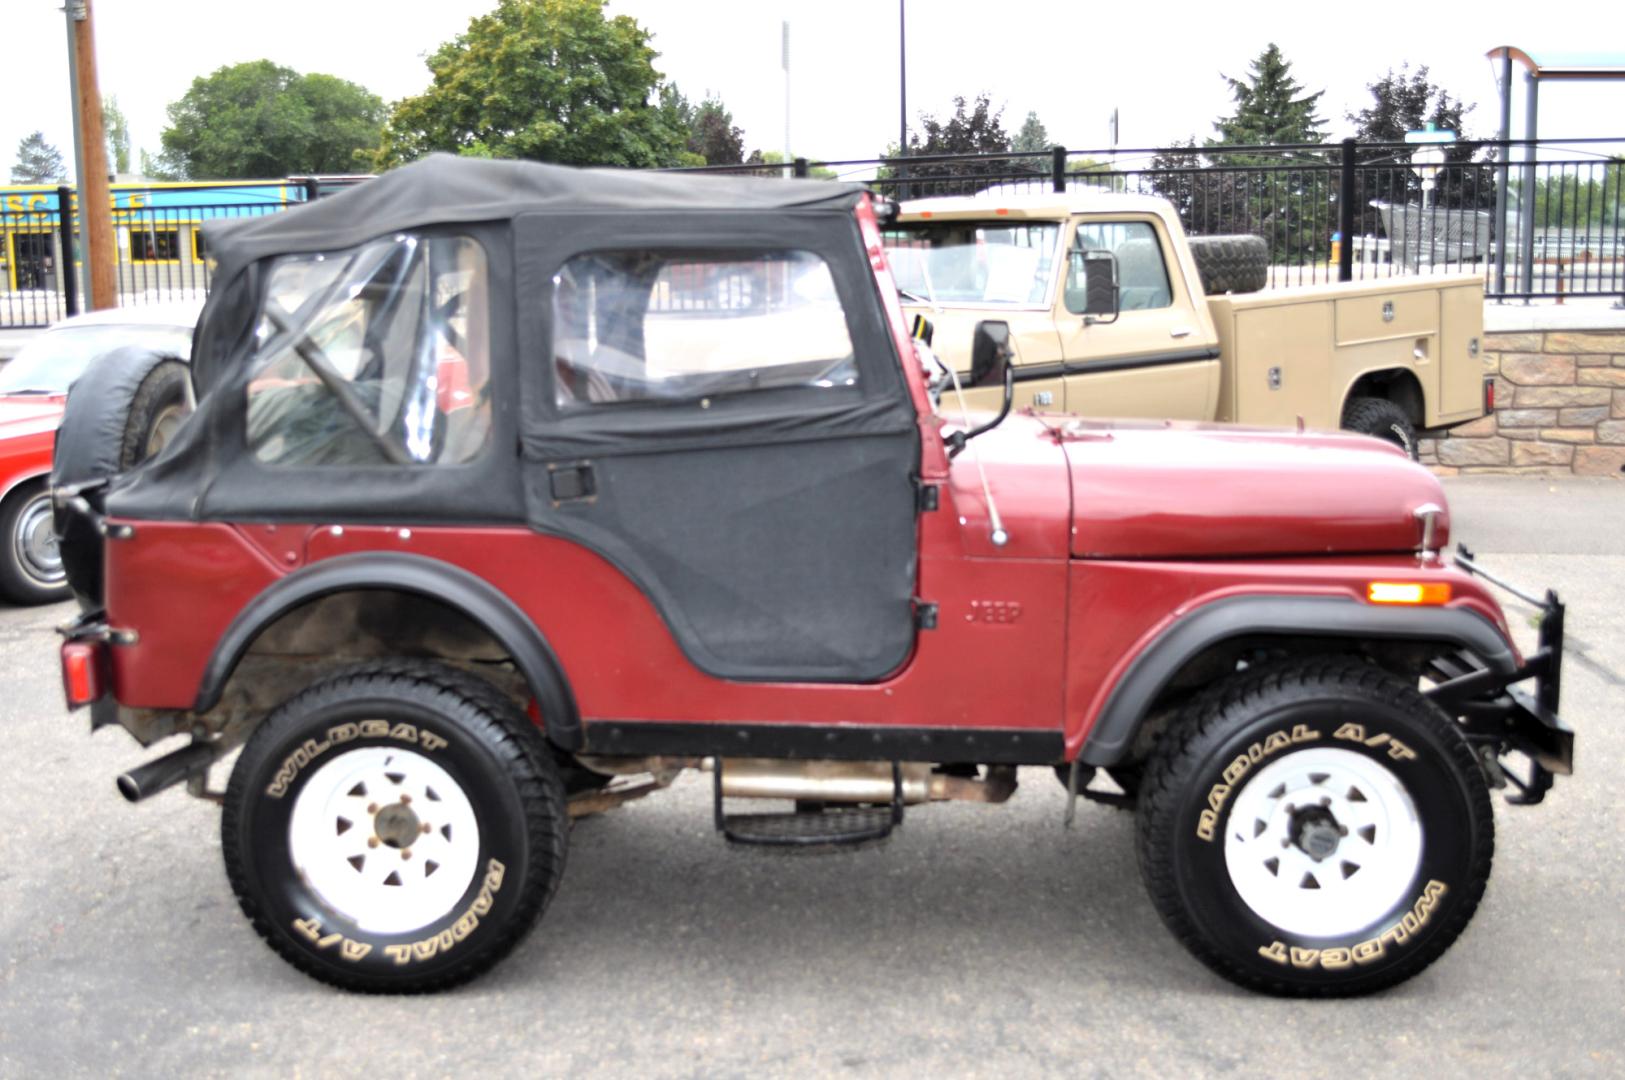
column 902, row 91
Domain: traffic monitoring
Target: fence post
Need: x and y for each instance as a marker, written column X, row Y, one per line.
column 1345, row 214
column 1057, row 169
column 67, row 272
column 801, row 168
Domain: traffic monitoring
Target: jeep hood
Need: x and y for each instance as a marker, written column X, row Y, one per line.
column 1158, row 490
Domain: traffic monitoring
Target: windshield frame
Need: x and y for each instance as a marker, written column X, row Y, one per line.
column 1052, row 288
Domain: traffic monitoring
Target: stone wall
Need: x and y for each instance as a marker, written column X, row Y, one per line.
column 1559, row 408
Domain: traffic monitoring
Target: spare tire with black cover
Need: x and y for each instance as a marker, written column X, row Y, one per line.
column 1231, row 264
column 120, row 412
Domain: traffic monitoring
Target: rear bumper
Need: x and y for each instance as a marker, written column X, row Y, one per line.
column 1498, row 715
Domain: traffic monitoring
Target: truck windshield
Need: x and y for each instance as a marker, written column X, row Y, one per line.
column 974, row 262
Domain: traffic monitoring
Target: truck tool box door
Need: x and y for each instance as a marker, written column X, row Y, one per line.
column 712, row 404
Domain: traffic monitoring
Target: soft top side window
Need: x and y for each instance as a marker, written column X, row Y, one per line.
column 676, row 326
column 376, row 355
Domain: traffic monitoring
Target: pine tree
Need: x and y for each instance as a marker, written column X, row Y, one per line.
column 1032, row 136
column 1270, row 107
column 38, row 162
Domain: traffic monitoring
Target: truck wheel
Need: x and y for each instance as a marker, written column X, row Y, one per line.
column 1231, row 264
column 121, row 411
column 30, row 567
column 397, row 827
column 1381, row 419
column 1315, row 828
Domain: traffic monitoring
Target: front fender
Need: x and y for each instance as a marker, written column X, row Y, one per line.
column 1112, row 735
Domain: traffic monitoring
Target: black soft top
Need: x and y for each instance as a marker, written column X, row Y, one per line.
column 446, row 189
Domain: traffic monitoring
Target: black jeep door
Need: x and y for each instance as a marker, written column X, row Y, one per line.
column 714, row 405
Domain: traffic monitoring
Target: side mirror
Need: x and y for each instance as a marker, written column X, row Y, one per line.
column 990, row 353
column 1100, row 303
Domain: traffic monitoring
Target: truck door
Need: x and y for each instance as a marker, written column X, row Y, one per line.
column 1155, row 359
column 713, row 405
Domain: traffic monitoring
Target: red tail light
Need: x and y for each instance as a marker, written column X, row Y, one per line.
column 83, row 668
column 1489, row 395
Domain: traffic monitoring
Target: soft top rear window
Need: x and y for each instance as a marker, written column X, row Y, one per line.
column 376, row 355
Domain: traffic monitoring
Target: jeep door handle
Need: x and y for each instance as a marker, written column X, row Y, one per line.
column 573, row 482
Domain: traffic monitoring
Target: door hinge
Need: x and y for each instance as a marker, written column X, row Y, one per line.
column 925, row 615
column 927, row 497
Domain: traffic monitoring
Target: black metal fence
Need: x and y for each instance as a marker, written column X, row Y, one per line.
column 160, row 252
column 1536, row 219
column 1340, row 211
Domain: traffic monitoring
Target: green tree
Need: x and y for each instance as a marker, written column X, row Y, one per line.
column 259, row 119
column 1289, row 209
column 974, row 127
column 1270, row 108
column 38, row 162
column 714, row 136
column 1032, row 137
column 547, row 80
column 117, row 130
column 1405, row 101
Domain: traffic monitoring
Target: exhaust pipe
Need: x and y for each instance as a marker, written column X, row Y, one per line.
column 858, row 781
column 145, row 781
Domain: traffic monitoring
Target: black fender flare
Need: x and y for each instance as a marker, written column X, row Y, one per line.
column 473, row 596
column 1112, row 735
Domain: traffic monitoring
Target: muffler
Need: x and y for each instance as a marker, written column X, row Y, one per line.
column 145, row 781
column 857, row 781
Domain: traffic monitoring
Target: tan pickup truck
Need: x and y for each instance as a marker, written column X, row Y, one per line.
column 1385, row 357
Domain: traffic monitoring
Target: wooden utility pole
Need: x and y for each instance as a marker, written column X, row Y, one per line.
column 95, row 198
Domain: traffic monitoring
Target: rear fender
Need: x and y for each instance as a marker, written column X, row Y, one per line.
column 1112, row 736
column 398, row 572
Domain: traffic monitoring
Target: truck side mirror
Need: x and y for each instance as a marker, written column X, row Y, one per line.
column 1101, row 299
column 990, row 353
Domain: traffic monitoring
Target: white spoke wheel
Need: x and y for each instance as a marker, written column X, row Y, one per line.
column 386, row 838
column 1323, row 842
column 1315, row 827
column 398, row 826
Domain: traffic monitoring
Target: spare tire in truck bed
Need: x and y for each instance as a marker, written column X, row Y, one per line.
column 120, row 412
column 1231, row 264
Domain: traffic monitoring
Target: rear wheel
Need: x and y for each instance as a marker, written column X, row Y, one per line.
column 397, row 827
column 1316, row 828
column 30, row 565
column 1381, row 419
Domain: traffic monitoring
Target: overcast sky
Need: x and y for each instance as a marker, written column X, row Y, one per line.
column 1159, row 64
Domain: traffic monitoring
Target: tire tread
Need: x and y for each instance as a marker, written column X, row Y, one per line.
column 1207, row 719
column 506, row 732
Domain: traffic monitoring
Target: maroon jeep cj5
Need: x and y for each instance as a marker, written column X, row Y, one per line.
column 514, row 491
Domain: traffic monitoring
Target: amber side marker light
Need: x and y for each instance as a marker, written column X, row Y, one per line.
column 1408, row 592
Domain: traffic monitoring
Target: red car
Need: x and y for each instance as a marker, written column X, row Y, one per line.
column 33, row 388
column 692, row 503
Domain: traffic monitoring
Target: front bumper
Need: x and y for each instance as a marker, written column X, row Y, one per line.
column 1499, row 717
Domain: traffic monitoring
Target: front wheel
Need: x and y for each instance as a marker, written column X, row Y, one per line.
column 1315, row 828
column 397, row 827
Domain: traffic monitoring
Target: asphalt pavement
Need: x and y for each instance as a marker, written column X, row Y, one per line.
column 977, row 941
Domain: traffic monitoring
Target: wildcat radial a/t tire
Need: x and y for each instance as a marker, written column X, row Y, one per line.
column 1315, row 828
